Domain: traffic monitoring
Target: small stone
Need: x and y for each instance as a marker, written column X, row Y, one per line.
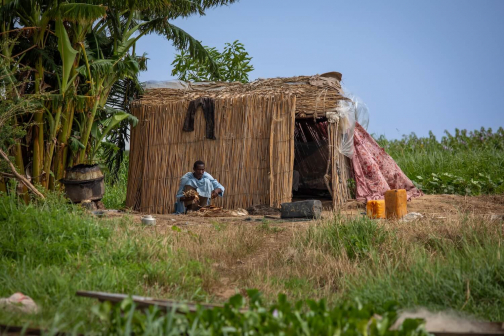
column 411, row 217
column 496, row 217
column 19, row 302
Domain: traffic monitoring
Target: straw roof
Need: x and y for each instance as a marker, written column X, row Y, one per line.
column 315, row 94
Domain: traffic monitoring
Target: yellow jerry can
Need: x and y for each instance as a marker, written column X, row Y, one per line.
column 375, row 209
column 396, row 203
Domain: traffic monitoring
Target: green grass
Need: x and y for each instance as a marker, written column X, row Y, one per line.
column 464, row 163
column 50, row 250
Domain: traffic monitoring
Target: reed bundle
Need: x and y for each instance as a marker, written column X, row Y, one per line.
column 340, row 167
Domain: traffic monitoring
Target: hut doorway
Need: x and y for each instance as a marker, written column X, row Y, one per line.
column 312, row 162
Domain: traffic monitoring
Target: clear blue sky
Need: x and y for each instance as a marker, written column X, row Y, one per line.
column 418, row 65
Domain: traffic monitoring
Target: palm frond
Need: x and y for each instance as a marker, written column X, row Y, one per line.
column 99, row 68
column 173, row 9
column 81, row 12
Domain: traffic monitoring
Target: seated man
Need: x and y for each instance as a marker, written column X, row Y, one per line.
column 205, row 185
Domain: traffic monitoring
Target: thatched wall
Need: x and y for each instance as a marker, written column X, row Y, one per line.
column 252, row 157
column 340, row 170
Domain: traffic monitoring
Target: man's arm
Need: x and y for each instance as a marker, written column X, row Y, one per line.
column 180, row 192
column 218, row 189
column 217, row 192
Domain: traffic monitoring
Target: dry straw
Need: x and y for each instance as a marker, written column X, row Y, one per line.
column 253, row 156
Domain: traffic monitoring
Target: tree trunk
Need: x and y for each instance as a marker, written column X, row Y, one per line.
column 38, row 129
column 52, row 143
column 60, row 159
column 87, row 132
column 18, row 155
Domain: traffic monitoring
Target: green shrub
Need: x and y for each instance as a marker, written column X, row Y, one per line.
column 306, row 317
column 466, row 163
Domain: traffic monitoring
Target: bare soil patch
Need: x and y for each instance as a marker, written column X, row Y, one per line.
column 444, row 205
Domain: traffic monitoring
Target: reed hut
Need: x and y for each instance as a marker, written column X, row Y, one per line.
column 263, row 129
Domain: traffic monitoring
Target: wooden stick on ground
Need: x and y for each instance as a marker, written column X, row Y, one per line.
column 20, row 177
column 145, row 302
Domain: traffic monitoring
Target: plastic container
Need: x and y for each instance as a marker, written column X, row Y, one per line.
column 396, row 203
column 375, row 209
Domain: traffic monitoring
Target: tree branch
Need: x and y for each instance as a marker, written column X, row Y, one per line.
column 21, row 178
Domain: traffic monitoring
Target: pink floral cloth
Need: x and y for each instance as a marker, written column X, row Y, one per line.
column 375, row 172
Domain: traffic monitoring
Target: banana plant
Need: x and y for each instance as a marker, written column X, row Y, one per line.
column 102, row 130
column 77, row 52
column 68, row 54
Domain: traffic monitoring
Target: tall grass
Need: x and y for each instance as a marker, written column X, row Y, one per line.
column 463, row 163
column 435, row 264
column 115, row 189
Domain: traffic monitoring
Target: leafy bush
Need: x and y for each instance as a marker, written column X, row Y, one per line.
column 446, row 183
column 467, row 163
column 233, row 65
column 281, row 318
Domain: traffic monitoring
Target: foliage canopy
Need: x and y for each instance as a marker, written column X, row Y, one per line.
column 233, row 65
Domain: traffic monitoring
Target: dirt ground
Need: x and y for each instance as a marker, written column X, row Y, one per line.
column 445, row 205
column 433, row 206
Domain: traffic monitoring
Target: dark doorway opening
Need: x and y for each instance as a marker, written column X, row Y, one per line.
column 311, row 161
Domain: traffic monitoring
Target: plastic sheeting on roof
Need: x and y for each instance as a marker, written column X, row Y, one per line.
column 170, row 84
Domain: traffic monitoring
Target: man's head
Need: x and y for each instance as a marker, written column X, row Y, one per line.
column 199, row 169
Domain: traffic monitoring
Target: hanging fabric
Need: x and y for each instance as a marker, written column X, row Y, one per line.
column 208, row 106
